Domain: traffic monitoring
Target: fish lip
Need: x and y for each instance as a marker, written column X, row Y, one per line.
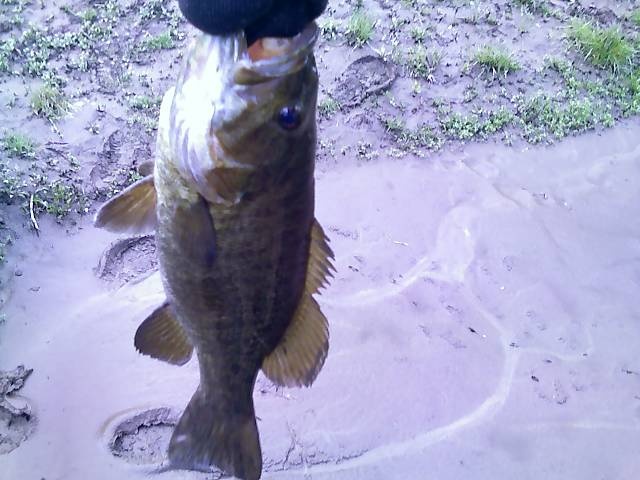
column 293, row 59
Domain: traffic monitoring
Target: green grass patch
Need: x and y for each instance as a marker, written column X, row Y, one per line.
column 422, row 62
column 534, row 6
column 328, row 28
column 604, row 48
column 18, row 145
column 152, row 9
column 360, row 28
column 544, row 118
column 423, row 136
column 162, row 41
column 49, row 102
column 496, row 60
column 7, row 49
column 328, row 106
column 458, row 126
column 144, row 102
column 58, row 199
column 635, row 17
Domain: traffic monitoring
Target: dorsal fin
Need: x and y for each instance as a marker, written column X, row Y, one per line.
column 299, row 356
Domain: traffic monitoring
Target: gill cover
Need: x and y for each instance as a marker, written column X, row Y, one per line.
column 219, row 83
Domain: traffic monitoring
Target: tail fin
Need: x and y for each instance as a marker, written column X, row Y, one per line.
column 206, row 437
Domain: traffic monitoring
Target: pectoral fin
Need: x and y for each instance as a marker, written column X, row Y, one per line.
column 160, row 336
column 301, row 353
column 196, row 232
column 133, row 210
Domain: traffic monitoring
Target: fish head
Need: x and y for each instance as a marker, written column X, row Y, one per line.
column 244, row 108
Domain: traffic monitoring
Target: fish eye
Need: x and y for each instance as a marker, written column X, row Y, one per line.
column 289, row 118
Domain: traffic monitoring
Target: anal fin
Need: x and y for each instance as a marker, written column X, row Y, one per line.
column 133, row 210
column 160, row 336
column 301, row 353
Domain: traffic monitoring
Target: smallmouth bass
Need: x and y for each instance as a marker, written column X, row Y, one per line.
column 231, row 199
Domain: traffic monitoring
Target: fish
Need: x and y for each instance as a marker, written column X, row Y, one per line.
column 231, row 199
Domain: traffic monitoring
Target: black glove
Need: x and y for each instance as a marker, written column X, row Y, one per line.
column 258, row 18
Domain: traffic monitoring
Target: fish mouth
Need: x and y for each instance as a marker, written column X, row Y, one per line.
column 271, row 58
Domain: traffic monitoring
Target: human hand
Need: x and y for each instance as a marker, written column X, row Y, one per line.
column 258, row 18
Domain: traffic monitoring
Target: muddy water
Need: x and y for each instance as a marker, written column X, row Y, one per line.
column 484, row 325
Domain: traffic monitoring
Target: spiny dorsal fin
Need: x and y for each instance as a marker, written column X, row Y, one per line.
column 160, row 336
column 320, row 256
column 133, row 210
column 299, row 356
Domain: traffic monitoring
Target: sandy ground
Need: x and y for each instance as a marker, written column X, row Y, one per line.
column 483, row 318
column 483, row 326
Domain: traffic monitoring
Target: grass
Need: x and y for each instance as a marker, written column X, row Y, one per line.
column 424, row 136
column 144, row 102
column 604, row 48
column 422, row 62
column 543, row 116
column 496, row 61
column 162, row 41
column 635, row 17
column 359, row 28
column 58, row 199
column 152, row 9
column 328, row 28
column 49, row 102
column 7, row 49
column 534, row 6
column 328, row 106
column 18, row 145
column 418, row 34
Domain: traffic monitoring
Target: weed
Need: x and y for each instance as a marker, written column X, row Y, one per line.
column 152, row 9
column 497, row 120
column 18, row 145
column 7, row 49
column 58, row 199
column 534, row 6
column 418, row 34
column 424, row 136
column 329, row 28
column 359, row 28
column 461, row 127
column 635, row 17
column 423, row 62
column 144, row 102
column 162, row 41
column 604, row 48
column 497, row 61
column 328, row 106
column 49, row 102
column 149, row 124
column 88, row 15
column 542, row 117
column 12, row 186
column 470, row 93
